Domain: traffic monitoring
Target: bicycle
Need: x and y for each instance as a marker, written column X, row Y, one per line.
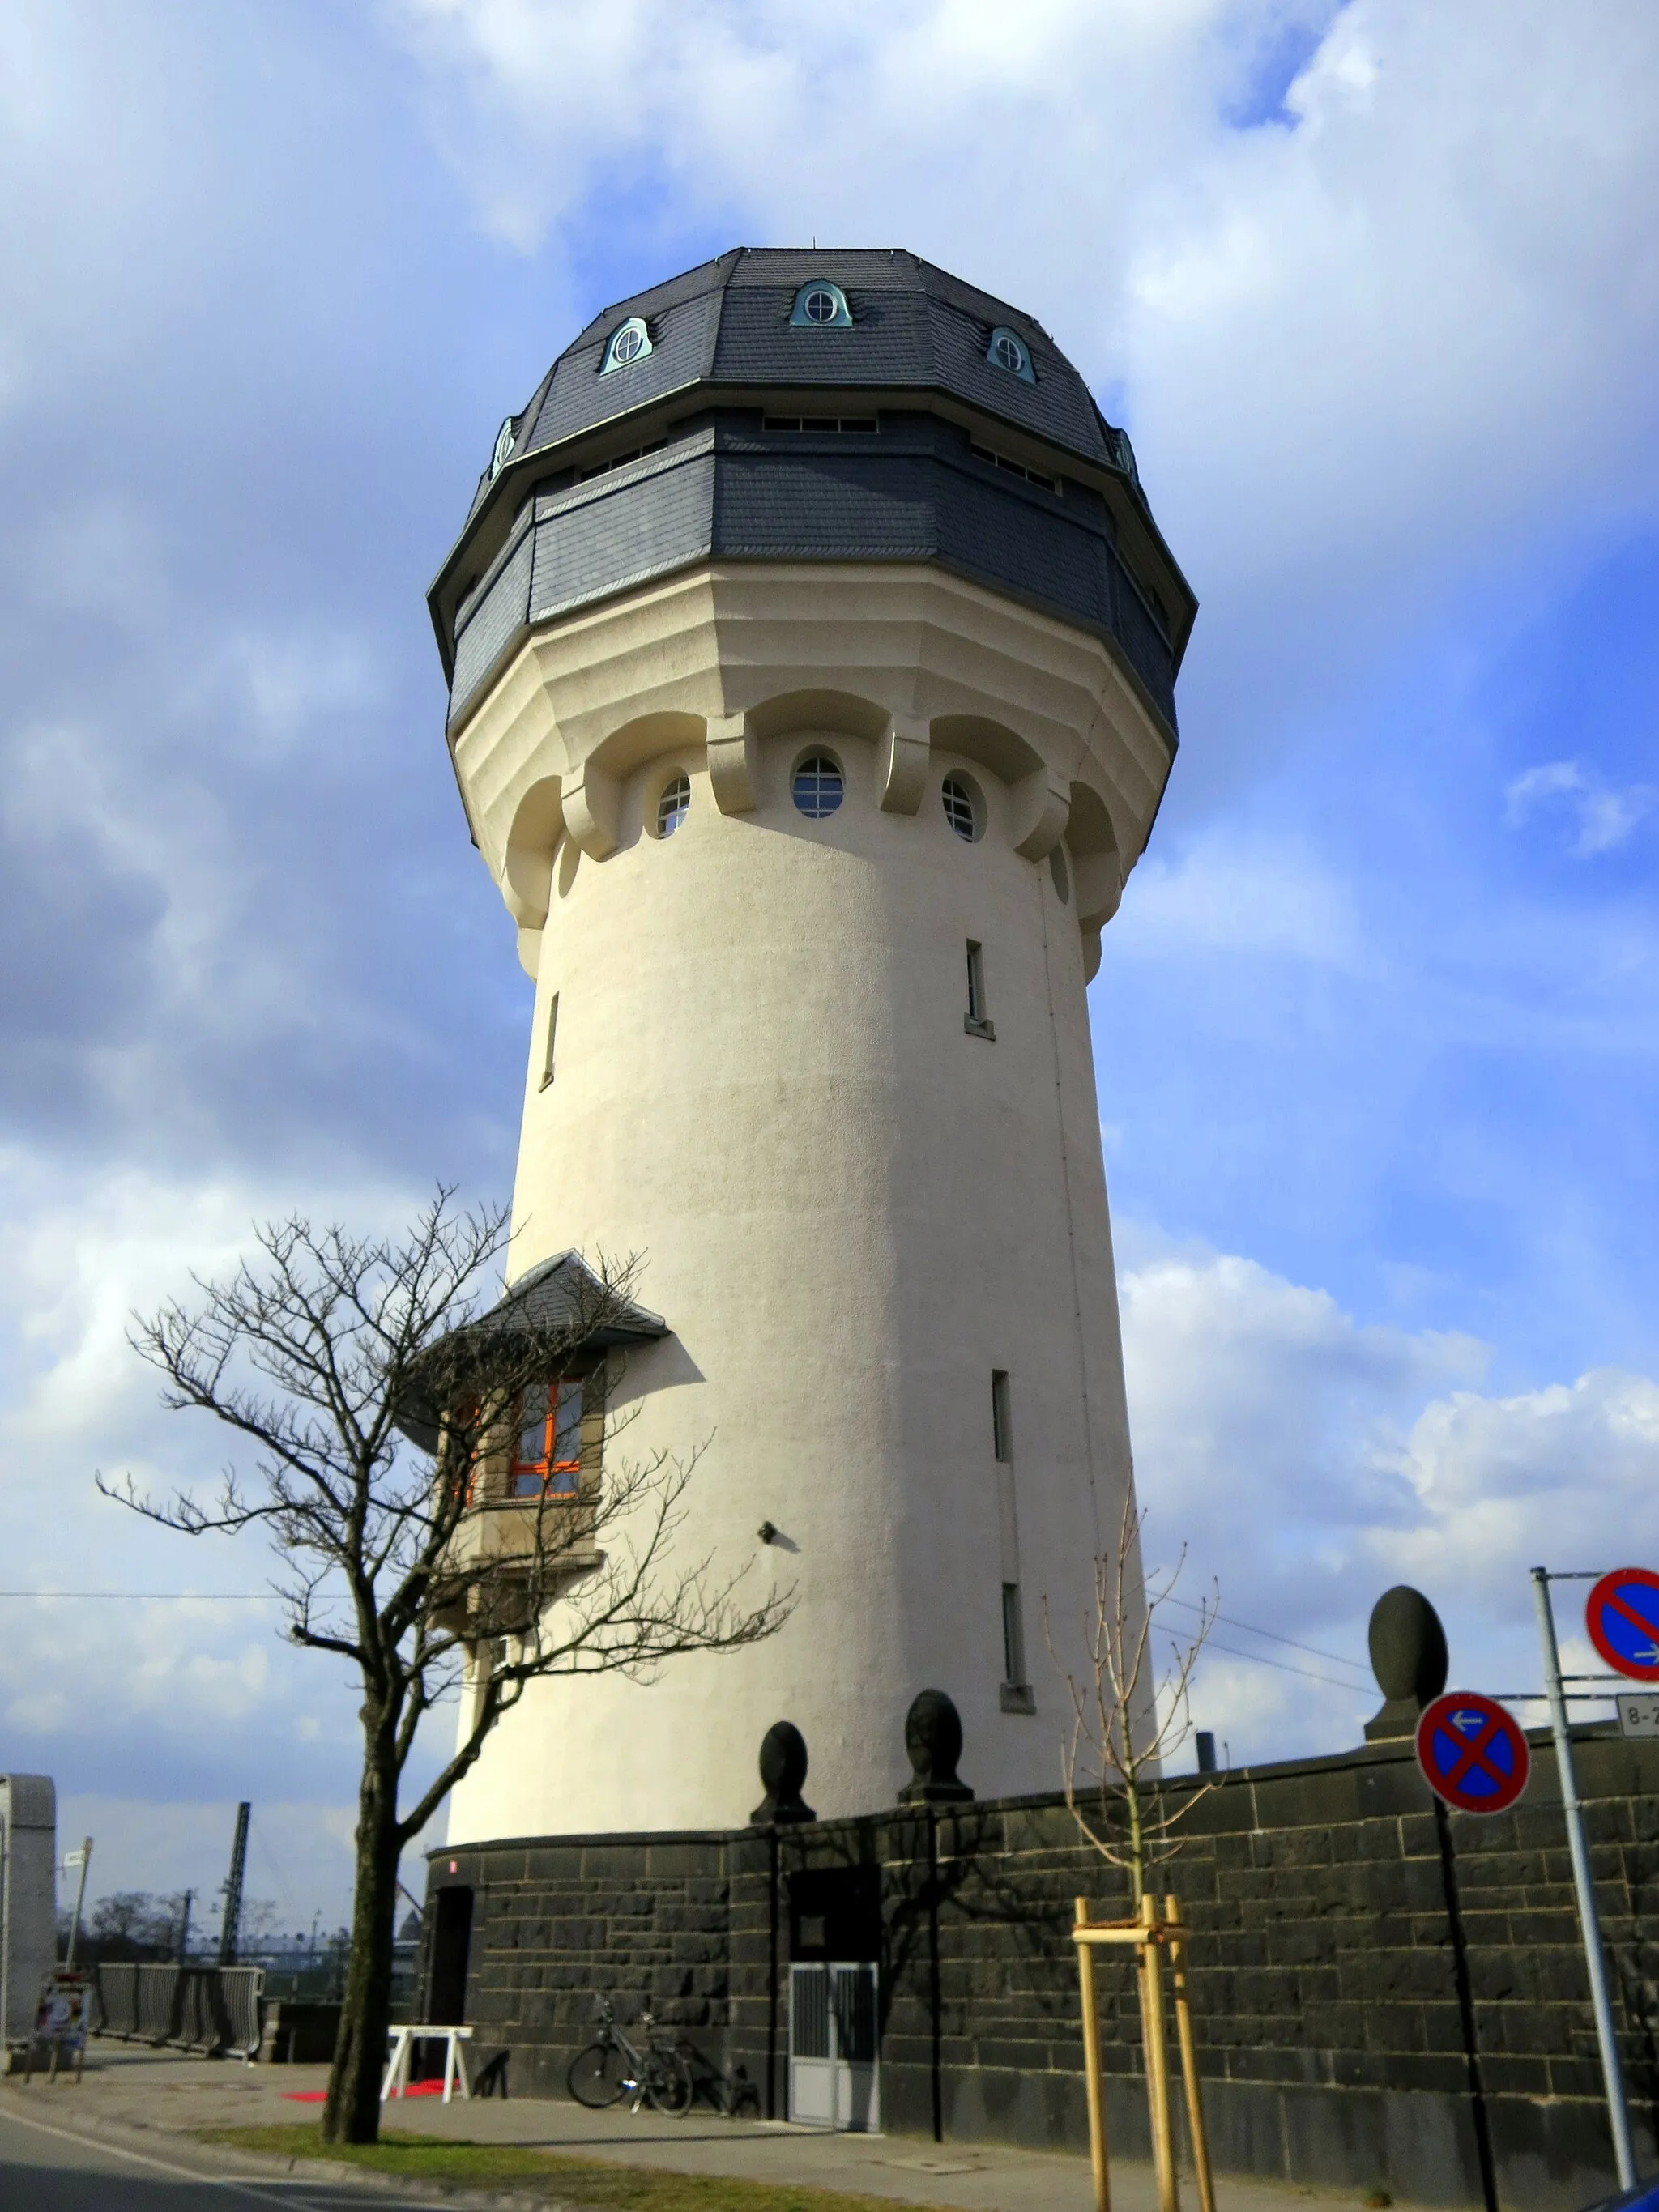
column 611, row 2066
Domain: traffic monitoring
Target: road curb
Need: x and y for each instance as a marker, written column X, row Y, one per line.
column 144, row 2138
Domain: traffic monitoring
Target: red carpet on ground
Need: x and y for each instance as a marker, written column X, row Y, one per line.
column 319, row 2096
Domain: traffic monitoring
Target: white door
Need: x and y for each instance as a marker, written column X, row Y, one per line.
column 835, row 2078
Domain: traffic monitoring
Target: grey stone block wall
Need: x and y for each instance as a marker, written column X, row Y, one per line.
column 1386, row 1996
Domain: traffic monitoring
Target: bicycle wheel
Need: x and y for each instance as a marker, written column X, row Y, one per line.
column 668, row 2083
column 597, row 2076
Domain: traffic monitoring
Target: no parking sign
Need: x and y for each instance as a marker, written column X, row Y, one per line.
column 1622, row 1615
column 1472, row 1753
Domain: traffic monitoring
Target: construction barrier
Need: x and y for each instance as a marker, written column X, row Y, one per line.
column 212, row 2009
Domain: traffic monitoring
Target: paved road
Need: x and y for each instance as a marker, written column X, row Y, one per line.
column 46, row 2168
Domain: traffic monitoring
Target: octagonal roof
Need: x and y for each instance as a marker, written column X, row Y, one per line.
column 728, row 323
column 737, row 343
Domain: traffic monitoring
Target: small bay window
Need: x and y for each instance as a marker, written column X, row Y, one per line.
column 547, row 1452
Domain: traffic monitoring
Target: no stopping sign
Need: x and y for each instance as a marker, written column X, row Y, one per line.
column 1472, row 1753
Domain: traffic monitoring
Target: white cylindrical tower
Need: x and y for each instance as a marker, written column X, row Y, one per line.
column 811, row 651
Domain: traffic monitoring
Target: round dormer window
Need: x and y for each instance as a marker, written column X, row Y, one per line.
column 629, row 342
column 673, row 804
column 1007, row 350
column 821, row 306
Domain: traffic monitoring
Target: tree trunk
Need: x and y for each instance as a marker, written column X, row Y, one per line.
column 352, row 2112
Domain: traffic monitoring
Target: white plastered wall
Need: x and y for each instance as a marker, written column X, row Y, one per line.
column 850, row 1210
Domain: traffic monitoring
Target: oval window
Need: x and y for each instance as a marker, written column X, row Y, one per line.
column 673, row 805
column 818, row 788
column 960, row 810
column 1061, row 874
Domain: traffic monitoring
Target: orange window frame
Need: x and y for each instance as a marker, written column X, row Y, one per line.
column 546, row 1466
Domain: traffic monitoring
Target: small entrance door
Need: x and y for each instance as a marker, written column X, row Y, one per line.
column 835, row 1991
column 451, row 1939
column 834, row 2081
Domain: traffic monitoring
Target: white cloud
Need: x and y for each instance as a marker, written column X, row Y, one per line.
column 1503, row 1483
column 1399, row 329
column 1225, row 893
column 1309, row 1461
column 1605, row 814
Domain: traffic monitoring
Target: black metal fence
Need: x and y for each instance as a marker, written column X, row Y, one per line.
column 212, row 2009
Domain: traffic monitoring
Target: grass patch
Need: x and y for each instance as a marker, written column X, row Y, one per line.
column 585, row 2181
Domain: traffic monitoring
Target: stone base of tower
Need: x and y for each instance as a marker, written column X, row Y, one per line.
column 1331, row 1938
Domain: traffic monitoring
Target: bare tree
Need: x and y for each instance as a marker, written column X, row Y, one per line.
column 123, row 1925
column 436, row 1567
column 1126, row 1719
column 258, row 1929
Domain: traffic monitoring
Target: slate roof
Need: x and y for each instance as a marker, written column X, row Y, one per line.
column 684, row 456
column 552, row 1296
column 915, row 328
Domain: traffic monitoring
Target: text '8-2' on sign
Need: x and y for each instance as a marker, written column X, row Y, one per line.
column 1472, row 1753
column 1622, row 1615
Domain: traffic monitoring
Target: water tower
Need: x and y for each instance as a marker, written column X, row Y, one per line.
column 811, row 650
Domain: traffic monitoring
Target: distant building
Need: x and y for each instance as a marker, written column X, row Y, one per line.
column 811, row 650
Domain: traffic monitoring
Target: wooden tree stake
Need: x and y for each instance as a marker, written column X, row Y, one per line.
column 1190, row 2062
column 1085, row 1967
column 1158, row 2060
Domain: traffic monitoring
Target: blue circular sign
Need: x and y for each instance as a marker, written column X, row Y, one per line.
column 1622, row 1616
column 1471, row 1752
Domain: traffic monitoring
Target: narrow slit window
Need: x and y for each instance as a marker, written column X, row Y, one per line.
column 1002, row 1436
column 1013, row 1638
column 976, row 1021
column 552, row 1039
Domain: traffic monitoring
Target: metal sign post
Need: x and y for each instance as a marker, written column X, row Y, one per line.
column 1590, row 1927
column 82, row 1858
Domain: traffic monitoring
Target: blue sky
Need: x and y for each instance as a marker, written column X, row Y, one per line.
column 1374, row 288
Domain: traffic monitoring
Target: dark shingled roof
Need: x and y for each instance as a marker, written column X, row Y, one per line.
column 553, row 1298
column 555, row 1294
column 915, row 328
column 682, row 456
